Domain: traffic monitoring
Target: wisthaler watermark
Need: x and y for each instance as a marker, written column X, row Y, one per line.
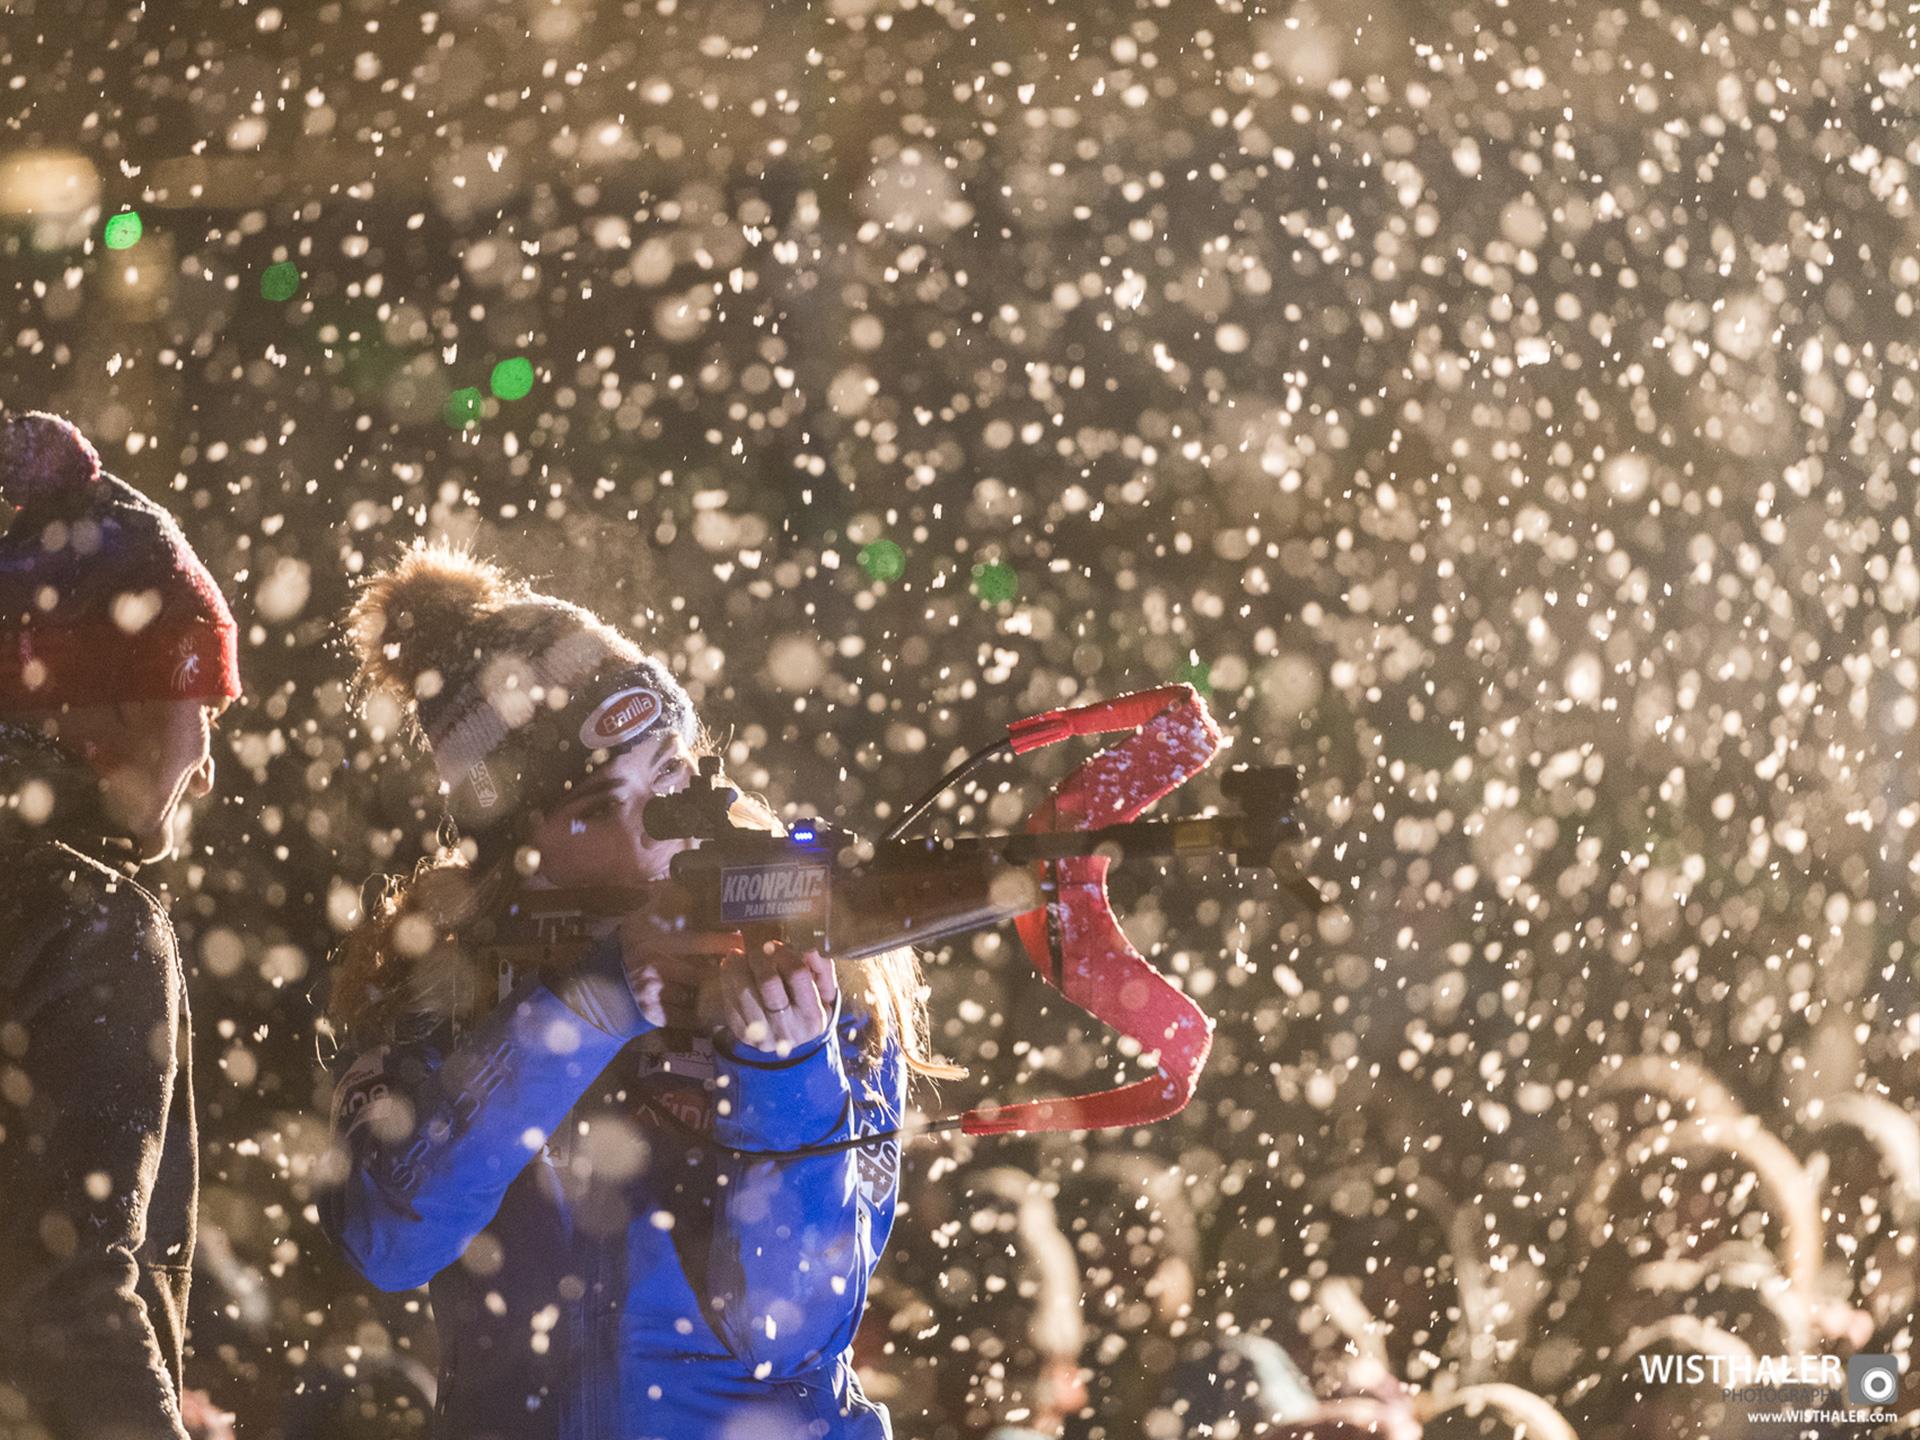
column 1873, row 1380
column 1800, row 1388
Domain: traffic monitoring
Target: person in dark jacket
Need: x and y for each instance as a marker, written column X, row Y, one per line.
column 117, row 653
column 556, row 1153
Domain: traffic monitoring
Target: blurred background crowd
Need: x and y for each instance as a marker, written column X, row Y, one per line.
column 1504, row 412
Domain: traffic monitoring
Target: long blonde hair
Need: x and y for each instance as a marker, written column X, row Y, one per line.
column 417, row 956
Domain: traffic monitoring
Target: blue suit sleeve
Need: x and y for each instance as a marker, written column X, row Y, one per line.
column 796, row 1240
column 434, row 1132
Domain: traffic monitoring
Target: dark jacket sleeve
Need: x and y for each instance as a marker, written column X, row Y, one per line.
column 87, row 1039
column 796, row 1240
column 435, row 1131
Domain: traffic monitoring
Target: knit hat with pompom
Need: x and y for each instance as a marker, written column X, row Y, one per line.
column 101, row 597
column 517, row 695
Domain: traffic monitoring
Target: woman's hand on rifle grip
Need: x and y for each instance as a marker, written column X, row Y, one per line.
column 777, row 998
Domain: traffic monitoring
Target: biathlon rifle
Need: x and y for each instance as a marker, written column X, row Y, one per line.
column 821, row 888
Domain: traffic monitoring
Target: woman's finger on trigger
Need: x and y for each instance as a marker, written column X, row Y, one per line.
column 769, row 978
column 824, row 976
column 749, row 1018
column 809, row 1013
column 781, row 1011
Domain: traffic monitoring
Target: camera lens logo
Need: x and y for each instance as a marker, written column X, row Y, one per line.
column 1873, row 1380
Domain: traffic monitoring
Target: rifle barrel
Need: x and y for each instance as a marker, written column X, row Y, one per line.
column 1256, row 836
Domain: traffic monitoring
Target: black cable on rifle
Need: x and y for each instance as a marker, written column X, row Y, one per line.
column 959, row 772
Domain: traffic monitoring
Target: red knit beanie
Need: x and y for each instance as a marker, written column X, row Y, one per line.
column 101, row 597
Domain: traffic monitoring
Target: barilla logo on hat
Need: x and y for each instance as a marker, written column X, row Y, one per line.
column 619, row 717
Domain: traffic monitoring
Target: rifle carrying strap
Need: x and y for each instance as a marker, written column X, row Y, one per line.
column 1075, row 942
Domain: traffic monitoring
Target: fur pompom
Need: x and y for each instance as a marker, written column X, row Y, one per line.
column 419, row 614
column 47, row 464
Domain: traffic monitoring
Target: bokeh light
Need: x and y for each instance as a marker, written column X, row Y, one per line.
column 280, row 281
column 512, row 379
column 995, row 582
column 464, row 407
column 883, row 560
column 122, row 231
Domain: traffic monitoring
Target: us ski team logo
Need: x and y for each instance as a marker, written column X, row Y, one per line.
column 484, row 790
column 878, row 1166
column 620, row 716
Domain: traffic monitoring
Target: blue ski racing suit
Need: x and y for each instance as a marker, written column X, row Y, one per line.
column 597, row 1270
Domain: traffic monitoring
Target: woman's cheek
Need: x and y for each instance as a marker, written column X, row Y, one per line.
column 574, row 857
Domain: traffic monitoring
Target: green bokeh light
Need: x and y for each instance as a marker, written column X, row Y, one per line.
column 123, row 230
column 512, row 378
column 1197, row 673
column 463, row 407
column 994, row 582
column 883, row 560
column 280, row 280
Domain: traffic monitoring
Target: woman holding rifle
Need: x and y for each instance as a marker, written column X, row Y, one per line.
column 618, row 1177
